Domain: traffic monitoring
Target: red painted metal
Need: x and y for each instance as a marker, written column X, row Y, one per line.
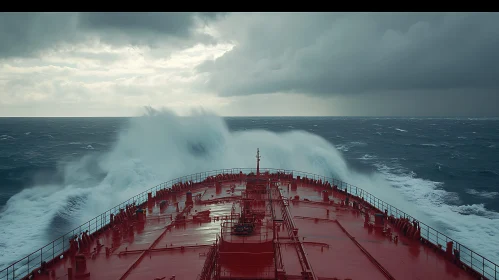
column 179, row 219
column 369, row 256
column 242, row 225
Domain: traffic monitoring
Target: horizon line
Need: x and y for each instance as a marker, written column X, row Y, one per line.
column 263, row 116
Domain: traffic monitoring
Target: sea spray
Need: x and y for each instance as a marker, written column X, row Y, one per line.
column 160, row 146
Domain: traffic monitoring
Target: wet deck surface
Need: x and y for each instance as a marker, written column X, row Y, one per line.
column 325, row 239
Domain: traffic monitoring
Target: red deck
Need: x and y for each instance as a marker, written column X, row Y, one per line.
column 266, row 226
column 337, row 245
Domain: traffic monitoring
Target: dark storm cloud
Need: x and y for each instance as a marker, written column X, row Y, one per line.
column 327, row 54
column 178, row 24
column 172, row 24
column 428, row 103
column 23, row 34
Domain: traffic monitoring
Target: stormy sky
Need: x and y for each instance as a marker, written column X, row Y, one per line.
column 239, row 64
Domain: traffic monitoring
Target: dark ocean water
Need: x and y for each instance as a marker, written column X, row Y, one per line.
column 53, row 169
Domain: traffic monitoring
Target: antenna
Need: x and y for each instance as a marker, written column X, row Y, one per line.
column 257, row 162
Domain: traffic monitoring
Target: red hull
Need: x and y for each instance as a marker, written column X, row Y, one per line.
column 278, row 228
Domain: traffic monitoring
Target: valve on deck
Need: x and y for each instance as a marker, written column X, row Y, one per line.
column 140, row 214
column 188, row 200
column 81, row 267
column 73, row 245
column 116, row 234
column 325, row 196
column 218, row 187
column 43, row 268
column 163, row 204
column 379, row 219
column 448, row 249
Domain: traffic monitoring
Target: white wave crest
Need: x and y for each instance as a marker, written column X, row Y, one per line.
column 160, row 146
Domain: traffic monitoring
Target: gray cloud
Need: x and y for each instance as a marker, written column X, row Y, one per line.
column 334, row 54
column 301, row 63
column 23, row 34
column 428, row 103
column 177, row 24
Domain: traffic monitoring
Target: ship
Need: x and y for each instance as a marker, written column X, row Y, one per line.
column 253, row 224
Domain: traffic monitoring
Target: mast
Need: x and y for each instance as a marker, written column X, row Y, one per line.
column 257, row 162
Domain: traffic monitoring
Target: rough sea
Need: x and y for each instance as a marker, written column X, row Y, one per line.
column 57, row 173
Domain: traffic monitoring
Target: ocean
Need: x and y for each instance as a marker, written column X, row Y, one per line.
column 57, row 173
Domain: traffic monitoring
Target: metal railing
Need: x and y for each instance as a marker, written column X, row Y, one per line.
column 24, row 266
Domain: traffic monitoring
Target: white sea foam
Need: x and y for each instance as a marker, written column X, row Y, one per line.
column 162, row 146
column 429, row 145
column 368, row 157
column 6, row 137
column 484, row 194
column 472, row 225
column 346, row 147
